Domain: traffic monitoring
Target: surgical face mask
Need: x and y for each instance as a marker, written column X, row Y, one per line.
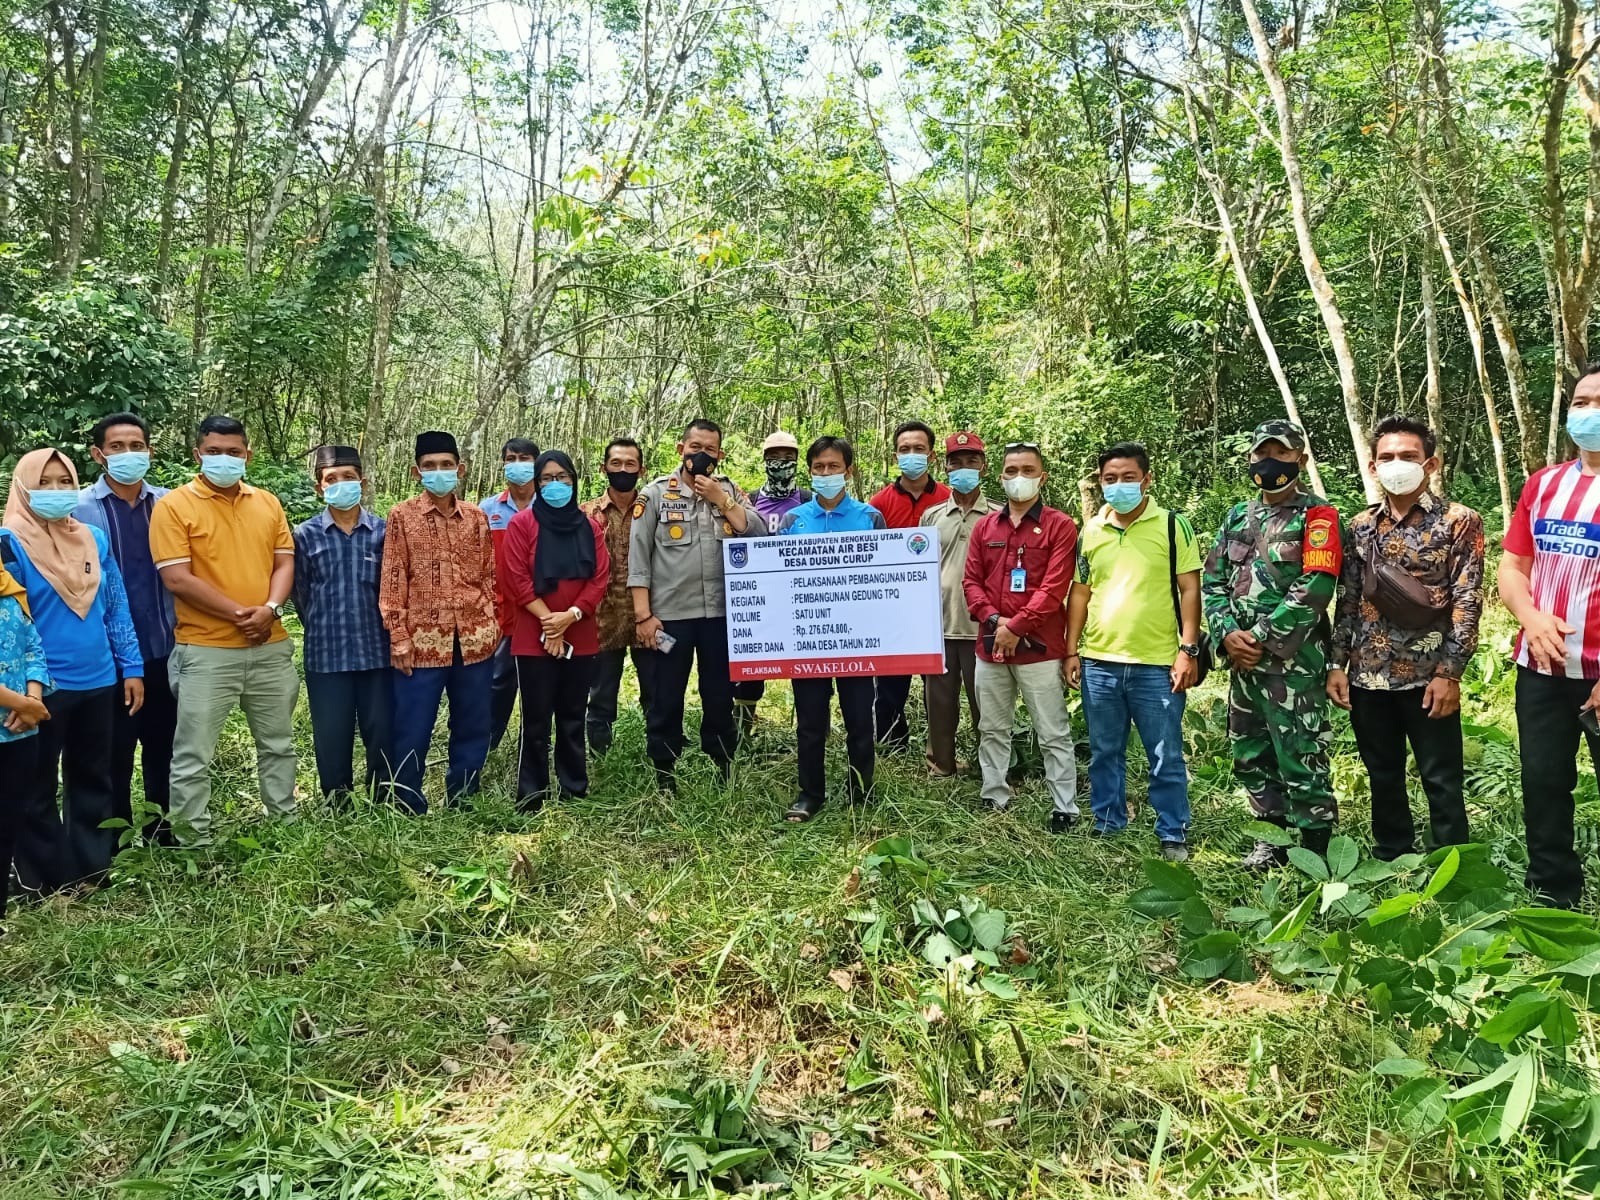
column 1123, row 497
column 440, row 483
column 829, row 486
column 1583, row 427
column 780, row 476
column 344, row 494
column 222, row 470
column 965, row 479
column 128, row 467
column 623, row 481
column 1400, row 478
column 1023, row 488
column 913, row 466
column 520, row 473
column 51, row 504
column 1273, row 474
column 557, row 493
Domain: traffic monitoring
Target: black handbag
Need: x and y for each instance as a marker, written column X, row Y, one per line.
column 1207, row 658
column 1395, row 592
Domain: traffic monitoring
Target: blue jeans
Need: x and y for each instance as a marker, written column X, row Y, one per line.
column 416, row 709
column 1115, row 694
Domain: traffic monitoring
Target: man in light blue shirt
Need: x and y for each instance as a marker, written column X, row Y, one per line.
column 517, row 459
column 831, row 461
column 119, row 505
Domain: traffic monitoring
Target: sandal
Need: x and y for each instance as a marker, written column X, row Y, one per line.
column 802, row 810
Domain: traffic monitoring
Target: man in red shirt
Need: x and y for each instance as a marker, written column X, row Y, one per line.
column 1550, row 580
column 903, row 504
column 1019, row 568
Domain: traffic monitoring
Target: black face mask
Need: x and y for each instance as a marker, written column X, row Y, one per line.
column 699, row 463
column 1273, row 474
column 622, row 481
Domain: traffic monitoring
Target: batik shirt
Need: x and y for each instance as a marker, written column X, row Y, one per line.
column 1441, row 545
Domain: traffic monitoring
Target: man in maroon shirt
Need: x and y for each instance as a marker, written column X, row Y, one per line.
column 902, row 504
column 1019, row 568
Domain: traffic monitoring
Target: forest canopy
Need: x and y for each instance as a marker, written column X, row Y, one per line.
column 344, row 220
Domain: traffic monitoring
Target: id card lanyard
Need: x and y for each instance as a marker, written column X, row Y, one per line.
column 1019, row 577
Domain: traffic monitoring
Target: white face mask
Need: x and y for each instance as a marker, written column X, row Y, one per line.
column 1400, row 478
column 1022, row 488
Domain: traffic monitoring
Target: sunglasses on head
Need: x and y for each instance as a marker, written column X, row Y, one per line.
column 1010, row 446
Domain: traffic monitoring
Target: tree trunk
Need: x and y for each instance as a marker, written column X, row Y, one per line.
column 1575, row 280
column 1430, row 339
column 188, row 46
column 1300, row 210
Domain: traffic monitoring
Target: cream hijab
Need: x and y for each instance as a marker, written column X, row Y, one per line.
column 64, row 551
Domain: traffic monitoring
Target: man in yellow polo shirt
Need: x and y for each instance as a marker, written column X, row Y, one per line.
column 1136, row 663
column 225, row 553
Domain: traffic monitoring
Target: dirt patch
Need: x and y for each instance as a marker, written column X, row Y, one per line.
column 1258, row 996
column 736, row 1039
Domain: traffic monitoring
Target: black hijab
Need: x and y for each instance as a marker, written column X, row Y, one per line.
column 566, row 537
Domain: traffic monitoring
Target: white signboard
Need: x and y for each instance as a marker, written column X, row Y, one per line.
column 824, row 604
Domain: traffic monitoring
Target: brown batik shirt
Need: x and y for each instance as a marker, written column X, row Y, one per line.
column 614, row 618
column 437, row 585
column 1439, row 543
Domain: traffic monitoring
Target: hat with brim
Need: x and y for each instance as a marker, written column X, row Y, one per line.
column 1286, row 432
column 780, row 441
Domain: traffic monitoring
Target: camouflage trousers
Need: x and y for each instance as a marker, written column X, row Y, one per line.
column 1279, row 727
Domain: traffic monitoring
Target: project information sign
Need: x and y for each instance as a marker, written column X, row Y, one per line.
column 824, row 604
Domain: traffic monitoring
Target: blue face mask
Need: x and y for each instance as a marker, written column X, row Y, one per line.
column 965, row 479
column 829, row 486
column 1123, row 497
column 344, row 494
column 51, row 504
column 129, row 467
column 556, row 493
column 440, row 483
column 913, row 466
column 1583, row 427
column 222, row 470
column 520, row 473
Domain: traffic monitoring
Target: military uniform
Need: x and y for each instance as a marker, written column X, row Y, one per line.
column 1272, row 572
column 675, row 550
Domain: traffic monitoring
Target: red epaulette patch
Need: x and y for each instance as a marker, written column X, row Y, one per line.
column 1323, row 550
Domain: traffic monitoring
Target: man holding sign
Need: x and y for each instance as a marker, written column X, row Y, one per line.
column 831, row 460
column 1019, row 569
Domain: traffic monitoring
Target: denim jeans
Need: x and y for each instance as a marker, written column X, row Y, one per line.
column 1115, row 695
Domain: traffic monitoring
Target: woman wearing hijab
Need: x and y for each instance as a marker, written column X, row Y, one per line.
column 80, row 609
column 557, row 570
column 24, row 679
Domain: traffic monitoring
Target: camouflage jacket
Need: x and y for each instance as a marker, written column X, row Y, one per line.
column 1272, row 572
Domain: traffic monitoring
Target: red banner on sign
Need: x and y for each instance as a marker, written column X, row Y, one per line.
column 830, row 668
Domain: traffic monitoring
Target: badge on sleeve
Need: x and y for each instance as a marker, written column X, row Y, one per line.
column 638, row 509
column 1323, row 552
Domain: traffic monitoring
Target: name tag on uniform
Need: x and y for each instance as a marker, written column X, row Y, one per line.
column 1019, row 580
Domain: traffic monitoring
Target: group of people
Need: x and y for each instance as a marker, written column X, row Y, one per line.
column 133, row 620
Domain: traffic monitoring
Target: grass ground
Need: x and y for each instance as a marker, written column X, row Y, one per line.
column 633, row 995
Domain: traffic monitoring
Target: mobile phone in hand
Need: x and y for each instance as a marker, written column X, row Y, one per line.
column 1590, row 720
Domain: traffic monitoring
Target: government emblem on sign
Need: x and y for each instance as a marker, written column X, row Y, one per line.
column 739, row 554
column 917, row 543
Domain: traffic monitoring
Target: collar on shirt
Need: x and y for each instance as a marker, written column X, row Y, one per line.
column 981, row 507
column 927, row 488
column 1427, row 502
column 1033, row 514
column 203, row 488
column 101, row 488
column 847, row 504
column 1151, row 511
column 324, row 519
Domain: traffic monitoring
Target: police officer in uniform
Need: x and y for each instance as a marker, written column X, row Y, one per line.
column 675, row 576
column 1269, row 580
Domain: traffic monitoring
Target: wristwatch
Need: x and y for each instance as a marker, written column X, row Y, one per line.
column 577, row 613
column 276, row 610
column 1193, row 651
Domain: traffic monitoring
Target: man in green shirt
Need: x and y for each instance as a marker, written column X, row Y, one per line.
column 1128, row 650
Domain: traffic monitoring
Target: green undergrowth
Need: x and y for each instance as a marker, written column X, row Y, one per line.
column 634, row 995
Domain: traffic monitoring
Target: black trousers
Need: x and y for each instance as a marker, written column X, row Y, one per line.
column 1549, row 733
column 58, row 845
column 554, row 691
column 1384, row 722
column 607, row 685
column 342, row 703
column 702, row 642
column 813, row 702
column 502, row 693
column 891, row 694
column 148, row 731
column 17, row 762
